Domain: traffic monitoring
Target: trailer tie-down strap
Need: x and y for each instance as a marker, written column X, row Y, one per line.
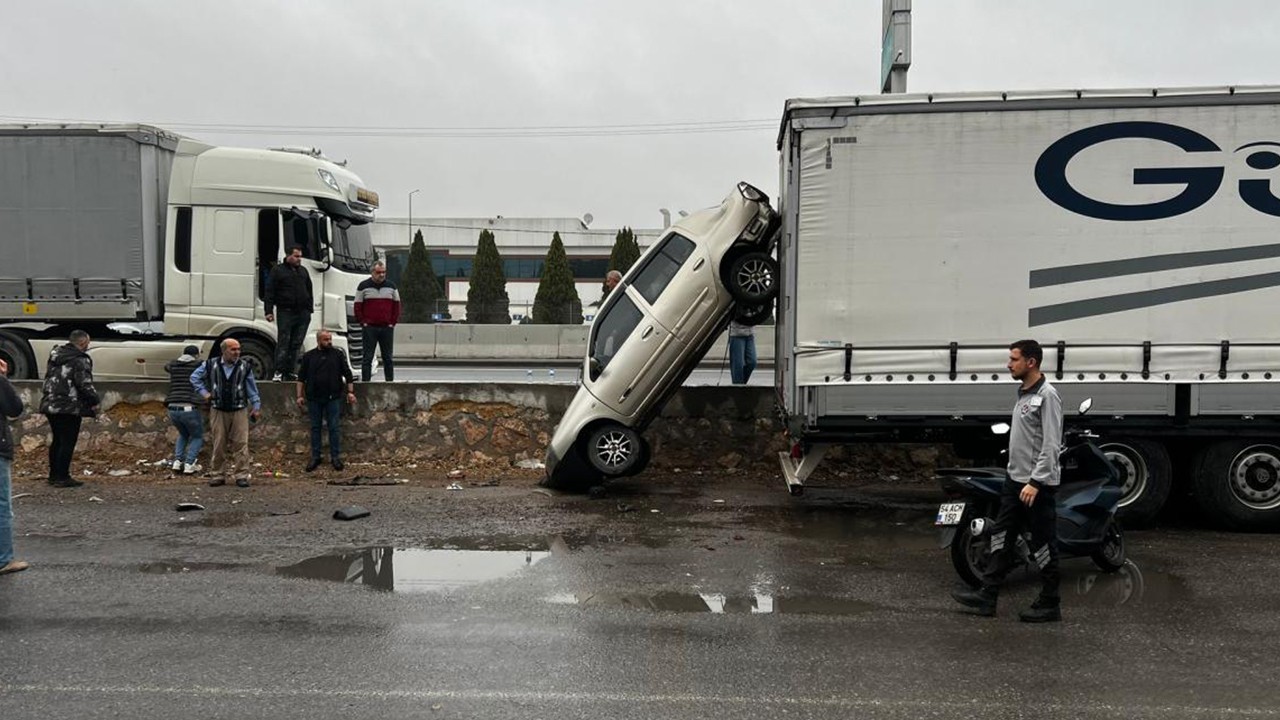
column 848, row 362
column 955, row 355
column 1062, row 358
column 1222, row 366
column 1146, row 359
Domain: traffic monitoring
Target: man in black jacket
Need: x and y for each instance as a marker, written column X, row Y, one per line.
column 67, row 396
column 184, row 410
column 10, row 407
column 323, row 381
column 289, row 296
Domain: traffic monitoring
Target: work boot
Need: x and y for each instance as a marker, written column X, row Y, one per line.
column 14, row 566
column 337, row 464
column 311, row 466
column 66, row 483
column 1041, row 611
column 982, row 601
column 217, row 480
column 242, row 481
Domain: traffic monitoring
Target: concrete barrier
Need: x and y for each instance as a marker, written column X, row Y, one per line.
column 546, row 343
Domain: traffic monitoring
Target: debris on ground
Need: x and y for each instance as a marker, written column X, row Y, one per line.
column 532, row 464
column 281, row 513
column 453, row 486
column 95, row 498
column 487, row 483
column 21, row 495
column 350, row 512
column 119, row 473
column 362, row 480
column 456, row 474
column 188, row 507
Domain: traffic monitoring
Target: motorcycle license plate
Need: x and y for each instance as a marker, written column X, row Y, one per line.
column 949, row 514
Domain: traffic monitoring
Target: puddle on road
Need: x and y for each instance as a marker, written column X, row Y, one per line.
column 415, row 571
column 174, row 567
column 718, row 604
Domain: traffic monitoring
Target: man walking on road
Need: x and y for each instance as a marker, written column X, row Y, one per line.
column 1029, row 495
column 228, row 384
column 324, row 380
column 67, row 397
column 10, row 407
column 377, row 310
column 289, row 296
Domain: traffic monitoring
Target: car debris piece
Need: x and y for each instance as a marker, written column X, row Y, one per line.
column 350, row 512
column 188, row 507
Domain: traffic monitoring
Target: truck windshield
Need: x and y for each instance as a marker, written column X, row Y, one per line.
column 353, row 248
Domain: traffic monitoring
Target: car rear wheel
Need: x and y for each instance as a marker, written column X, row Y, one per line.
column 752, row 278
column 614, row 449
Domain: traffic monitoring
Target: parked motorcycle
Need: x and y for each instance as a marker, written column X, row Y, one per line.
column 1086, row 501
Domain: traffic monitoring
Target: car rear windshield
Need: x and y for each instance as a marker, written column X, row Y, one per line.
column 661, row 266
column 612, row 328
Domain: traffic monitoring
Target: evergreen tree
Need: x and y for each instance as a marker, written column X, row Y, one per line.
column 557, row 300
column 487, row 301
column 624, row 254
column 419, row 289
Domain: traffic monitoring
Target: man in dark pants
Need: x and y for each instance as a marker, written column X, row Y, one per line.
column 68, row 396
column 377, row 308
column 324, row 380
column 1029, row 495
column 289, row 296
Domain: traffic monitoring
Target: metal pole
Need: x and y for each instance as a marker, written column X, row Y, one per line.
column 411, row 216
column 895, row 50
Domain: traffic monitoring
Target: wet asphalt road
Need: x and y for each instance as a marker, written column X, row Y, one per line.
column 796, row 610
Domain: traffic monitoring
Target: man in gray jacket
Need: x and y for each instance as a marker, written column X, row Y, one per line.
column 1028, row 498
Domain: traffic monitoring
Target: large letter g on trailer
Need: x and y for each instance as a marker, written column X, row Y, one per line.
column 1199, row 183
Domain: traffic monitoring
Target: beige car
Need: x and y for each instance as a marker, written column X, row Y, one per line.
column 653, row 329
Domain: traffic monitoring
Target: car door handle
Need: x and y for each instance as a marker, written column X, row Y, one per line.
column 647, row 332
column 698, row 265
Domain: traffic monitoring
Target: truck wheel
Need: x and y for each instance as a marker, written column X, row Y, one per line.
column 17, row 353
column 1110, row 556
column 1237, row 485
column 614, row 449
column 259, row 356
column 753, row 278
column 1147, row 475
column 969, row 555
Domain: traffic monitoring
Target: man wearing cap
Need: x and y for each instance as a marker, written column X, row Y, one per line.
column 227, row 383
column 184, row 410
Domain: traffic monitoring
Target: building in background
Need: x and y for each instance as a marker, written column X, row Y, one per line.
column 523, row 244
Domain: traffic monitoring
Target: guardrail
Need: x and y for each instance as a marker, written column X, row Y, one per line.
column 452, row 341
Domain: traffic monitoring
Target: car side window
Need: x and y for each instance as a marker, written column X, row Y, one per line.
column 662, row 266
column 612, row 327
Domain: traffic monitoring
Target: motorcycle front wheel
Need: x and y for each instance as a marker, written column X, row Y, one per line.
column 1110, row 555
column 969, row 555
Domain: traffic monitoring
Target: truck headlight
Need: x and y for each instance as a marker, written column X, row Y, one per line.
column 329, row 179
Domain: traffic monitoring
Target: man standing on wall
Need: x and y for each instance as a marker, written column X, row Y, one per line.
column 324, row 380
column 227, row 383
column 67, row 397
column 377, row 310
column 1028, row 497
column 289, row 295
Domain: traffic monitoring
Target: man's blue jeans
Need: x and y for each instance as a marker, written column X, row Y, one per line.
column 742, row 358
column 6, row 512
column 325, row 411
column 190, row 424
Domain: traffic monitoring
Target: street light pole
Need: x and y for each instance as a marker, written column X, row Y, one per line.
column 411, row 215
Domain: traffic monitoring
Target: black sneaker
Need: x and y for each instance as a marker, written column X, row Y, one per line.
column 311, row 466
column 337, row 464
column 242, row 482
column 66, row 483
column 982, row 602
column 1042, row 611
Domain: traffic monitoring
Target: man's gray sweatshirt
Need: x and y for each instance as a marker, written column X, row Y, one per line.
column 1035, row 438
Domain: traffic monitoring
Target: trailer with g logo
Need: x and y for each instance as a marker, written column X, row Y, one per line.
column 1134, row 233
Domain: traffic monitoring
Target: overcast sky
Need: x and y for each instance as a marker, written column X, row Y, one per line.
column 387, row 81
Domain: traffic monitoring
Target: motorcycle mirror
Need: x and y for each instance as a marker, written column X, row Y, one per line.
column 1084, row 406
column 1000, row 428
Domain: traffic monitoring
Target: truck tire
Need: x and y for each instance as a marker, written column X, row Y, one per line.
column 752, row 278
column 614, row 450
column 1237, row 485
column 15, row 351
column 259, row 356
column 1147, row 474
